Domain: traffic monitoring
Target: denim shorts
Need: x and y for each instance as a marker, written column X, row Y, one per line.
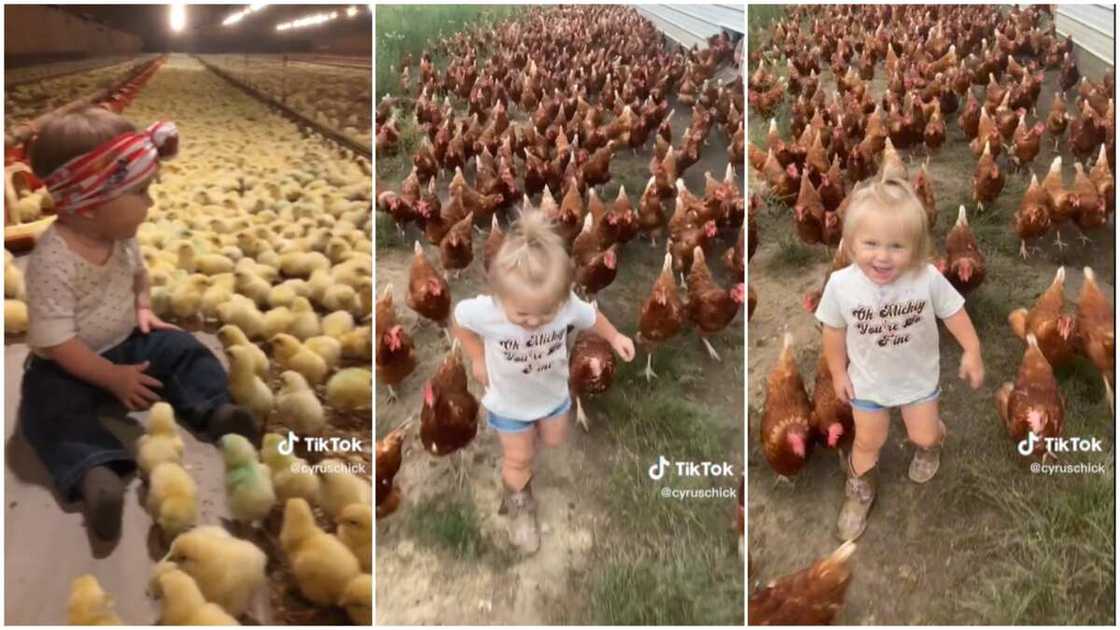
column 509, row 425
column 869, row 405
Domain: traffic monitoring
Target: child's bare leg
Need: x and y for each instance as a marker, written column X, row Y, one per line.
column 923, row 425
column 871, row 434
column 518, row 452
column 554, row 429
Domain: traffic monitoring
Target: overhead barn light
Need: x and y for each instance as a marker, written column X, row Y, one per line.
column 310, row 20
column 237, row 16
column 178, row 17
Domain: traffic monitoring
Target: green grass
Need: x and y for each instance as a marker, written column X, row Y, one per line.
column 410, row 29
column 396, row 167
column 1055, row 562
column 679, row 565
column 759, row 19
column 450, row 523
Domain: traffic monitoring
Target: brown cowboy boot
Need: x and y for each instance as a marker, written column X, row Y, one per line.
column 859, row 494
column 521, row 507
column 926, row 460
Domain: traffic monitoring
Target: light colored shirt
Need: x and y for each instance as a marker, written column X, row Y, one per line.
column 68, row 296
column 891, row 330
column 527, row 369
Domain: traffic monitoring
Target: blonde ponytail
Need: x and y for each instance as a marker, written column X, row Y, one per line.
column 532, row 261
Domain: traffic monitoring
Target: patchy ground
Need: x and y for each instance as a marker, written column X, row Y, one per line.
column 612, row 550
column 986, row 541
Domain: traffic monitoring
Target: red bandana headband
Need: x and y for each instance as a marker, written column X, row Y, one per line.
column 105, row 173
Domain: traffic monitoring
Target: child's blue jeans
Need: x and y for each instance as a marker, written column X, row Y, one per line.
column 58, row 412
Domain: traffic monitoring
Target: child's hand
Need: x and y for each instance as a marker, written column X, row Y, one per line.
column 624, row 346
column 478, row 369
column 149, row 321
column 843, row 388
column 972, row 367
column 130, row 385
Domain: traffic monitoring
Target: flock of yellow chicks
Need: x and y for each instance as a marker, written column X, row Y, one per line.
column 333, row 96
column 260, row 234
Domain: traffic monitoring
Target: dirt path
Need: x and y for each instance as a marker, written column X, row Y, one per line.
column 419, row 584
column 926, row 554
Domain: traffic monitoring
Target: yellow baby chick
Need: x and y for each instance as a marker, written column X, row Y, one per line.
column 227, row 569
column 358, row 344
column 318, row 284
column 290, row 354
column 291, row 476
column 298, row 406
column 230, row 335
column 350, row 389
column 186, row 296
column 172, row 499
column 340, row 297
column 208, row 264
column 305, row 323
column 365, row 298
column 182, row 603
column 252, row 286
column 14, row 286
column 282, row 295
column 15, row 317
column 278, row 320
column 89, row 604
column 245, row 386
column 357, row 599
column 321, row 563
column 341, row 487
column 242, row 312
column 249, row 492
column 327, row 347
column 355, row 530
column 161, row 443
column 338, row 324
column 220, row 291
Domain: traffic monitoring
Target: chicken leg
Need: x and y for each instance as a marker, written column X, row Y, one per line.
column 711, row 351
column 581, row 416
column 1058, row 242
column 1023, row 249
column 392, row 396
column 649, row 373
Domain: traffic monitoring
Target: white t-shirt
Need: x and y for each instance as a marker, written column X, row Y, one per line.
column 68, row 296
column 891, row 330
column 528, row 369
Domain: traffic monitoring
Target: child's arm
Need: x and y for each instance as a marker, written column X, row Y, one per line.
column 972, row 366
column 834, row 341
column 127, row 382
column 472, row 345
column 622, row 344
column 146, row 320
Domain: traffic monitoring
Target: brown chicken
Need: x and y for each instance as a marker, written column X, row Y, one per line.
column 1047, row 321
column 987, row 183
column 923, row 188
column 428, row 293
column 449, row 414
column 787, row 416
column 597, row 169
column 1026, row 142
column 569, row 218
column 785, row 182
column 832, row 418
column 964, row 265
column 809, row 214
column 1091, row 209
column 456, row 250
column 1032, row 219
column 662, row 314
column 1058, row 119
column 813, row 596
column 388, row 461
column 1095, row 332
column 893, row 166
column 734, row 259
column 483, row 206
column 752, row 301
column 651, row 220
column 493, row 243
column 1032, row 404
column 1101, row 175
column 396, row 355
column 711, row 308
column 596, row 267
column 591, row 370
column 1063, row 203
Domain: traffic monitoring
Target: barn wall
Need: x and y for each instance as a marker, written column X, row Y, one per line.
column 33, row 34
column 690, row 25
column 1092, row 27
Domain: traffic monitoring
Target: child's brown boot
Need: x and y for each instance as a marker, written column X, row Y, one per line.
column 926, row 460
column 521, row 507
column 859, row 494
column 103, row 497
